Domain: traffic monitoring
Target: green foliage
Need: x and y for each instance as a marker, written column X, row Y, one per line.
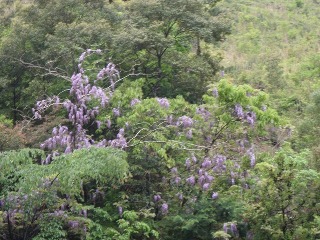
column 166, row 40
column 38, row 192
column 10, row 137
column 12, row 162
column 130, row 226
column 308, row 128
column 157, row 143
column 51, row 228
column 164, row 49
column 282, row 198
column 221, row 235
column 101, row 165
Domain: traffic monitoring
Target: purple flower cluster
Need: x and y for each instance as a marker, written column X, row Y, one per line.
column 215, row 92
column 204, row 179
column 120, row 141
column 134, row 102
column 185, row 121
column 206, row 163
column 120, row 211
column 164, row 209
column 79, row 114
column 43, row 105
column 191, row 180
column 219, row 163
column 163, row 102
column 205, row 114
column 230, row 228
column 73, row 224
column 188, row 163
column 170, row 119
column 174, row 170
column 214, row 195
column 249, row 116
column 238, row 111
column 59, row 213
column 180, row 196
column 86, row 53
column 189, row 134
column 156, row 198
column 116, row 112
column 252, row 157
column 201, row 173
column 61, row 137
column 111, row 72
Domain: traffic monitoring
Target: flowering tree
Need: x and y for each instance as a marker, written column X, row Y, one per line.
column 185, row 155
column 80, row 113
column 183, row 158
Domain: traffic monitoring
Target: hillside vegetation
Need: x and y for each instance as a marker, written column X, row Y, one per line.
column 159, row 119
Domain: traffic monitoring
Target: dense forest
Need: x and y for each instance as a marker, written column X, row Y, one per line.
column 159, row 119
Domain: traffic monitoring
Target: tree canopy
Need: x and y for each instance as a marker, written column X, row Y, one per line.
column 185, row 119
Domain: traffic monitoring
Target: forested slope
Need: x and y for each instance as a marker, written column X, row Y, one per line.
column 160, row 119
column 275, row 47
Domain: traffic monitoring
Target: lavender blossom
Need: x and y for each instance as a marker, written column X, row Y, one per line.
column 116, row 112
column 110, row 71
column 215, row 195
column 174, row 170
column 252, row 157
column 48, row 160
column 219, row 163
column 204, row 113
column 185, row 121
column 189, row 134
column 194, row 159
column 2, row 203
column 120, row 211
column 119, row 142
column 232, row 181
column 209, row 178
column 177, row 180
column 191, row 180
column 59, row 213
column 81, row 58
column 84, row 212
column 37, row 115
column 251, row 118
column 164, row 208
column 201, row 180
column 68, row 150
column 215, row 93
column 180, row 196
column 170, row 119
column 134, row 101
column 156, row 198
column 73, row 224
column 233, row 229
column 79, row 113
column 108, row 123
column 238, row 111
column 225, row 227
column 206, row 163
column 206, row 186
column 163, row 102
column 188, row 163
